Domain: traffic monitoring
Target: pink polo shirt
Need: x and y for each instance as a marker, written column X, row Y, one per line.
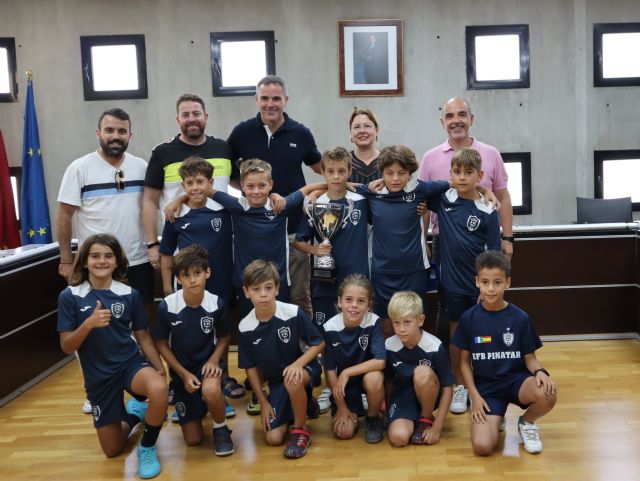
column 436, row 165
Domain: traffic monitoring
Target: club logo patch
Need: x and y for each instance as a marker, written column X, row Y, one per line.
column 364, row 342
column 424, row 362
column 216, row 224
column 410, row 197
column 392, row 410
column 507, row 337
column 181, row 409
column 95, row 410
column 206, row 323
column 270, row 215
column 284, row 333
column 320, row 317
column 355, row 216
column 473, row 223
column 117, row 309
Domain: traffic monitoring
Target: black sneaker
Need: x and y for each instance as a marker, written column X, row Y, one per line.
column 313, row 409
column 222, row 443
column 372, row 429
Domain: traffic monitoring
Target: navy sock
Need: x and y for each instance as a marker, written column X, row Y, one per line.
column 132, row 420
column 150, row 435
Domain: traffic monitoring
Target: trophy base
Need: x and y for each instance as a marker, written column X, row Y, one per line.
column 323, row 274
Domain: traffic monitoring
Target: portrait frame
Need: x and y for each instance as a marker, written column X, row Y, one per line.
column 370, row 57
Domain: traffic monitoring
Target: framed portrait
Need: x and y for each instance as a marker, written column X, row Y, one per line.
column 370, row 57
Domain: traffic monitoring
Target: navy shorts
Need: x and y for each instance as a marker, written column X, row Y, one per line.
column 499, row 395
column 404, row 404
column 324, row 308
column 353, row 397
column 189, row 406
column 456, row 304
column 279, row 397
column 107, row 398
column 386, row 285
column 141, row 278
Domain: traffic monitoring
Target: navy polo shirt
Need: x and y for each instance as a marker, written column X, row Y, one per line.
column 290, row 146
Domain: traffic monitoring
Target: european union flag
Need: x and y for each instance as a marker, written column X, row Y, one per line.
column 36, row 225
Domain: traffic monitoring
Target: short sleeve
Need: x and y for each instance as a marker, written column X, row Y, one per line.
column 161, row 329
column 245, row 358
column 462, row 335
column 313, row 154
column 376, row 343
column 70, row 187
column 139, row 320
column 306, row 232
column 67, row 319
column 169, row 241
column 530, row 340
column 154, row 176
column 308, row 331
column 223, row 324
column 329, row 354
column 443, row 368
column 493, row 231
column 501, row 178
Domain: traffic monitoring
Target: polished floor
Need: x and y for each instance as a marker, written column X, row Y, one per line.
column 592, row 435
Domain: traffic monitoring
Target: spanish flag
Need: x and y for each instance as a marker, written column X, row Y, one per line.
column 482, row 339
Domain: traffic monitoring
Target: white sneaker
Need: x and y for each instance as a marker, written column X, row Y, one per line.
column 324, row 403
column 459, row 402
column 530, row 435
column 365, row 402
column 86, row 407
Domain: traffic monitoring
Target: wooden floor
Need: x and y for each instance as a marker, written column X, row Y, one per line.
column 593, row 434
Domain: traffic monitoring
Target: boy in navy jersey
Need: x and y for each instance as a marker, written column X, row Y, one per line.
column 192, row 335
column 269, row 348
column 354, row 360
column 348, row 246
column 205, row 222
column 498, row 361
column 468, row 226
column 200, row 221
column 418, row 365
column 400, row 260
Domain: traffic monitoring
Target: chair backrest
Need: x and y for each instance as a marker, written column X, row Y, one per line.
column 594, row 211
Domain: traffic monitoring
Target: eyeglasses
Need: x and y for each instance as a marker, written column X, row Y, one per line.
column 119, row 182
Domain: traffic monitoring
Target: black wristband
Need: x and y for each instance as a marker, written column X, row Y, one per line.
column 542, row 369
column 152, row 244
column 508, row 238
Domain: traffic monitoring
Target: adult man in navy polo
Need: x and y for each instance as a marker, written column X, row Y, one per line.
column 286, row 144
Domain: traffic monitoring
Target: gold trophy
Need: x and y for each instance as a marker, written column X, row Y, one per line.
column 327, row 219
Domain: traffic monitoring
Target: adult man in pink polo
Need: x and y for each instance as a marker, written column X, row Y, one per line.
column 457, row 119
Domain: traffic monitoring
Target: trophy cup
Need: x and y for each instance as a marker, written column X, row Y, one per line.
column 327, row 219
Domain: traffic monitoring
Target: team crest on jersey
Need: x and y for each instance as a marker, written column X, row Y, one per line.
column 364, row 341
column 424, row 362
column 320, row 317
column 270, row 215
column 410, row 197
column 181, row 409
column 216, row 224
column 95, row 410
column 355, row 216
column 206, row 323
column 117, row 309
column 284, row 333
column 473, row 223
column 507, row 337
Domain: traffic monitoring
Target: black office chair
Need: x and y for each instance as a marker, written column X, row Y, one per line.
column 596, row 211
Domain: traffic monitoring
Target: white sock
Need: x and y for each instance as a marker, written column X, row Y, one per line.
column 219, row 425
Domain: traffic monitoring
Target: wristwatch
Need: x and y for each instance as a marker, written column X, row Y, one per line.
column 542, row 369
column 508, row 238
column 152, row 244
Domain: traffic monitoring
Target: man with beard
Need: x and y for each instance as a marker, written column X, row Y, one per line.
column 102, row 193
column 163, row 183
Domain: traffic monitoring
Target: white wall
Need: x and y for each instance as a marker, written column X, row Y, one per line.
column 561, row 119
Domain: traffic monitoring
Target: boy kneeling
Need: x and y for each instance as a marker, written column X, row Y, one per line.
column 420, row 368
column 269, row 348
column 498, row 361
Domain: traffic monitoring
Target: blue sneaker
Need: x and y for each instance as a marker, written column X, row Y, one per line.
column 148, row 464
column 229, row 412
column 137, row 408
